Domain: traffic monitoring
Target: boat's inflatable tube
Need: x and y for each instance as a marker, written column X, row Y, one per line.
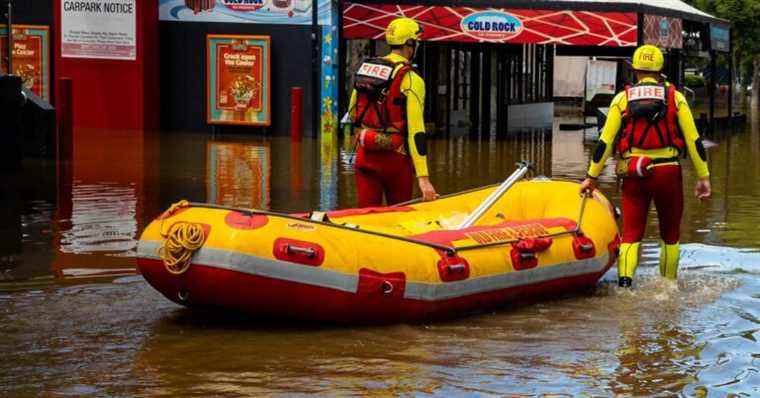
column 390, row 264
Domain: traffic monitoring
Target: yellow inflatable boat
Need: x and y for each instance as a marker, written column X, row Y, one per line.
column 402, row 263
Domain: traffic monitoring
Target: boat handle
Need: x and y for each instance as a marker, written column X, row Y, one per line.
column 387, row 287
column 457, row 268
column 306, row 251
column 527, row 255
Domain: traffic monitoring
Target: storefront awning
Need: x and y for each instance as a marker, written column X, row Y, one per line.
column 563, row 22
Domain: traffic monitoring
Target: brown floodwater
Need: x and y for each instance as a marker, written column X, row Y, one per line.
column 76, row 319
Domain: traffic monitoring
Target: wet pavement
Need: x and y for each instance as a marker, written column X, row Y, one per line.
column 76, row 320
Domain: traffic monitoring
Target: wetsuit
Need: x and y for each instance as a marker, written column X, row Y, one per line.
column 663, row 185
column 393, row 172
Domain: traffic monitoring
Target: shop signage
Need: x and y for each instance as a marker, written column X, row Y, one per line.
column 31, row 57
column 238, row 80
column 100, row 29
column 293, row 12
column 498, row 25
column 664, row 32
column 492, row 25
column 719, row 38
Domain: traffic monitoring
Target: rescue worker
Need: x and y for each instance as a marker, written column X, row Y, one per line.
column 386, row 114
column 649, row 126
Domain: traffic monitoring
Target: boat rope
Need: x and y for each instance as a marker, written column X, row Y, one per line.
column 181, row 241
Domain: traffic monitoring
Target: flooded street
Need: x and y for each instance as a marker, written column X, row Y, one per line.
column 76, row 319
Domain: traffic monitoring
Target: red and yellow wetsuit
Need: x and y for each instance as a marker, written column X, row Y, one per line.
column 393, row 172
column 663, row 186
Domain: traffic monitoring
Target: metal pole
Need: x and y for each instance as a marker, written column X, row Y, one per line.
column 315, row 69
column 711, row 91
column 495, row 195
column 10, row 38
column 730, row 79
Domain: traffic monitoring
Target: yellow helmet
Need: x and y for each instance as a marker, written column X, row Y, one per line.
column 401, row 30
column 648, row 58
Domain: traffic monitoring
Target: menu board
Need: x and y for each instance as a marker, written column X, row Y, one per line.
column 31, row 57
column 238, row 90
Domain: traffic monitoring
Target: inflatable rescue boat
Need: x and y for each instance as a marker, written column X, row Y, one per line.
column 402, row 263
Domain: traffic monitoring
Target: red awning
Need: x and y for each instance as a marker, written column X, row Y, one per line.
column 496, row 25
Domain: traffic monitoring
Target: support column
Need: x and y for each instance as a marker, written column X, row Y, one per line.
column 711, row 91
column 485, row 116
column 475, row 79
column 730, row 80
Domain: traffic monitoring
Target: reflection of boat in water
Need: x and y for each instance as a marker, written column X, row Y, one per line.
column 390, row 264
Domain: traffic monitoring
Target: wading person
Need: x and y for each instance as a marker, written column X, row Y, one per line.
column 386, row 112
column 649, row 127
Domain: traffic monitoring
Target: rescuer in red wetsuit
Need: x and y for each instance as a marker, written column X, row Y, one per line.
column 386, row 111
column 650, row 126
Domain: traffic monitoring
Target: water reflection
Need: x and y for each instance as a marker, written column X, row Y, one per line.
column 238, row 174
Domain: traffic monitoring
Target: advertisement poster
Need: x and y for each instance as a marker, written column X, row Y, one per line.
column 290, row 12
column 663, row 32
column 100, row 29
column 237, row 174
column 238, row 80
column 31, row 56
column 368, row 20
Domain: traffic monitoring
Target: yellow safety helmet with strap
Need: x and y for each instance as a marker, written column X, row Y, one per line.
column 401, row 30
column 648, row 58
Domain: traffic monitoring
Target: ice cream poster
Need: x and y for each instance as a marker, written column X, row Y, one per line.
column 31, row 57
column 238, row 80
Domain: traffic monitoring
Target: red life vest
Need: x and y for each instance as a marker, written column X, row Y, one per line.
column 650, row 120
column 380, row 104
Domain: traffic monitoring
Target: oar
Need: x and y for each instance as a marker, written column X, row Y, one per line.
column 522, row 169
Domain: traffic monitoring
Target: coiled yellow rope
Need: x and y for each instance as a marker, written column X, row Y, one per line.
column 180, row 242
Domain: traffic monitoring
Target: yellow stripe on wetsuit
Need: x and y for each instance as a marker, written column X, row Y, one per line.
column 614, row 123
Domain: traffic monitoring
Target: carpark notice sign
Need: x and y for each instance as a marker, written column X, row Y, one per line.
column 101, row 29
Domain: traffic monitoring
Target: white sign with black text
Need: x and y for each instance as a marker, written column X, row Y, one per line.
column 101, row 29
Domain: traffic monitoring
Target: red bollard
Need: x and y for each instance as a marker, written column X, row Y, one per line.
column 65, row 112
column 296, row 113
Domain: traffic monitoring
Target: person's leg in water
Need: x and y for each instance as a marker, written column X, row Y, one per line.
column 667, row 188
column 636, row 199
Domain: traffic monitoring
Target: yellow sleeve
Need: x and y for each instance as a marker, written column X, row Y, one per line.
column 352, row 105
column 413, row 88
column 605, row 145
column 691, row 136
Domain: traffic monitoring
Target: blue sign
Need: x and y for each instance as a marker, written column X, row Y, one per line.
column 720, row 38
column 491, row 25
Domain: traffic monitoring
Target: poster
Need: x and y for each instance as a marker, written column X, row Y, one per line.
column 238, row 80
column 31, row 56
column 237, row 174
column 100, row 29
column 290, row 12
column 663, row 32
column 495, row 25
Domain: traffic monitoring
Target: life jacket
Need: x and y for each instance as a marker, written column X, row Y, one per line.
column 650, row 120
column 380, row 104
